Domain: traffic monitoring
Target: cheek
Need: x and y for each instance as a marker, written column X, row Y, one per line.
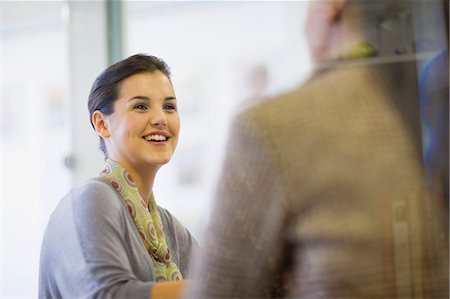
column 129, row 126
column 175, row 125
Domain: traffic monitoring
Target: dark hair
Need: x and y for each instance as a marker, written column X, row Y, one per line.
column 105, row 90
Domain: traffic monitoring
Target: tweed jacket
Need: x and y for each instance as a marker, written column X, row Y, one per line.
column 323, row 195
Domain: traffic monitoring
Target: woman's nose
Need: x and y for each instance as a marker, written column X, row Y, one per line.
column 158, row 118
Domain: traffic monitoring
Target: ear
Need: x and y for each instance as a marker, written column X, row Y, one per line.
column 335, row 9
column 320, row 24
column 100, row 124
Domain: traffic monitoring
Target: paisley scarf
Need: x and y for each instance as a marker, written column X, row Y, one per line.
column 146, row 218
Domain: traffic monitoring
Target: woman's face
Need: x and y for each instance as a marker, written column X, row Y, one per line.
column 144, row 126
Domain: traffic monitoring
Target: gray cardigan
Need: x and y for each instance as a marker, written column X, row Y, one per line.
column 91, row 248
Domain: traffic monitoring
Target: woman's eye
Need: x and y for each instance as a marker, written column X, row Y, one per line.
column 170, row 107
column 140, row 107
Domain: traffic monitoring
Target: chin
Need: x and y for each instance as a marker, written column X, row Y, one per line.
column 160, row 162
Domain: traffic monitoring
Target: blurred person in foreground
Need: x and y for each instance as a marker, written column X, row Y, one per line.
column 323, row 193
column 107, row 238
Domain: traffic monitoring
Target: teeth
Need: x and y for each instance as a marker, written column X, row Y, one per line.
column 156, row 138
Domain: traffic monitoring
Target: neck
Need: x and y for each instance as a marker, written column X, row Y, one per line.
column 143, row 177
column 351, row 50
column 343, row 37
column 345, row 47
column 144, row 181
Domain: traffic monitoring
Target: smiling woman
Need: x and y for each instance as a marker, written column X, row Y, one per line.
column 108, row 236
column 142, row 133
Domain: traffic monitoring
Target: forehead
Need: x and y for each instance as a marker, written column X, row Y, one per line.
column 146, row 82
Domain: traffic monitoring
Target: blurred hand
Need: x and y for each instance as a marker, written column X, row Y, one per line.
column 168, row 289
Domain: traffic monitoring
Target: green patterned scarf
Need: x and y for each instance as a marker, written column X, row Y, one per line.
column 146, row 218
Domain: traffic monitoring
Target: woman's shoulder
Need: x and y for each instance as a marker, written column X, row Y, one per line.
column 94, row 194
column 92, row 183
column 91, row 203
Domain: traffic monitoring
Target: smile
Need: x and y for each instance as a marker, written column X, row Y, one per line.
column 156, row 137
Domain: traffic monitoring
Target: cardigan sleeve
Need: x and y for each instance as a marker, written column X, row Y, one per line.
column 84, row 252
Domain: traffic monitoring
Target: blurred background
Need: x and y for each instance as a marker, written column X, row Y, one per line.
column 222, row 54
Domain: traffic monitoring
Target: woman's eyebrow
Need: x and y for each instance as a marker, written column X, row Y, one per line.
column 147, row 99
column 139, row 98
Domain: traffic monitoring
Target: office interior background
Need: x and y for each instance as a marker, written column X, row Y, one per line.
column 222, row 54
